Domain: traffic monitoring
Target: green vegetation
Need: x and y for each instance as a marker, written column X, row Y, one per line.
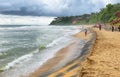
column 106, row 15
column 1, row 70
column 63, row 20
column 42, row 47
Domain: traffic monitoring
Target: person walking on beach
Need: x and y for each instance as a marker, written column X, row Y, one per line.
column 119, row 28
column 99, row 26
column 112, row 29
column 85, row 32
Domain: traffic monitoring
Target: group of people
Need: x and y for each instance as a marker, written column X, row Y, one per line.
column 113, row 29
column 100, row 27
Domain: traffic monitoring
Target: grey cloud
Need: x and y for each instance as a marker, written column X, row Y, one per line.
column 51, row 7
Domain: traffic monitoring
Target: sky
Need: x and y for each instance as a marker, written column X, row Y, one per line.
column 25, row 20
column 52, row 7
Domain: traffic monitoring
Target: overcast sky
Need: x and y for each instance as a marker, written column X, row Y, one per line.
column 55, row 7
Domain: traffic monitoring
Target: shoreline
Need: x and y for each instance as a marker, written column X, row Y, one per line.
column 74, row 67
column 61, row 58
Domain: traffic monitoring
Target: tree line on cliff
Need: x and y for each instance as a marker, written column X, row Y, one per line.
column 105, row 15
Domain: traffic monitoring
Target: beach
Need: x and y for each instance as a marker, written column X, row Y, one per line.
column 104, row 58
column 62, row 58
column 59, row 38
column 101, row 61
column 85, row 56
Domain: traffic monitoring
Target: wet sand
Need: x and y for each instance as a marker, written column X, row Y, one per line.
column 81, row 35
column 61, row 58
column 104, row 59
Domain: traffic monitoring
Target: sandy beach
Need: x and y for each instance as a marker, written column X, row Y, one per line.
column 104, row 59
column 62, row 57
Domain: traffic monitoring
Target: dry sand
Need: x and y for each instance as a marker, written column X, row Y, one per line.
column 104, row 59
column 62, row 56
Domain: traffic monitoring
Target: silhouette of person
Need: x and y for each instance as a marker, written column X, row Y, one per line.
column 112, row 29
column 99, row 26
column 85, row 32
column 119, row 28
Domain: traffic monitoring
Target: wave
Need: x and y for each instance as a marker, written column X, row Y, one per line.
column 20, row 28
column 17, row 61
column 59, row 42
column 66, row 38
column 1, row 53
column 26, row 27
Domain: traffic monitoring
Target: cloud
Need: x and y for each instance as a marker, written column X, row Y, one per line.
column 24, row 20
column 52, row 7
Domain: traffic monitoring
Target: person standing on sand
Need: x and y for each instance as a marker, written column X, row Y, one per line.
column 112, row 29
column 119, row 28
column 99, row 26
column 85, row 32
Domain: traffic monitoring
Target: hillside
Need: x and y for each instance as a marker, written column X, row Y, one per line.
column 105, row 15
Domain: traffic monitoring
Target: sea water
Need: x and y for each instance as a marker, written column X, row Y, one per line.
column 24, row 48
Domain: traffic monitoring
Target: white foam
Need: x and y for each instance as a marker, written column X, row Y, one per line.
column 32, row 61
column 4, row 41
column 29, row 27
column 36, row 51
column 4, row 49
column 66, row 38
column 17, row 61
column 1, row 53
column 58, row 41
column 72, row 32
column 19, row 28
column 32, row 64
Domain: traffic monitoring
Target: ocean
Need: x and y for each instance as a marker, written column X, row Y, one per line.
column 24, row 48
